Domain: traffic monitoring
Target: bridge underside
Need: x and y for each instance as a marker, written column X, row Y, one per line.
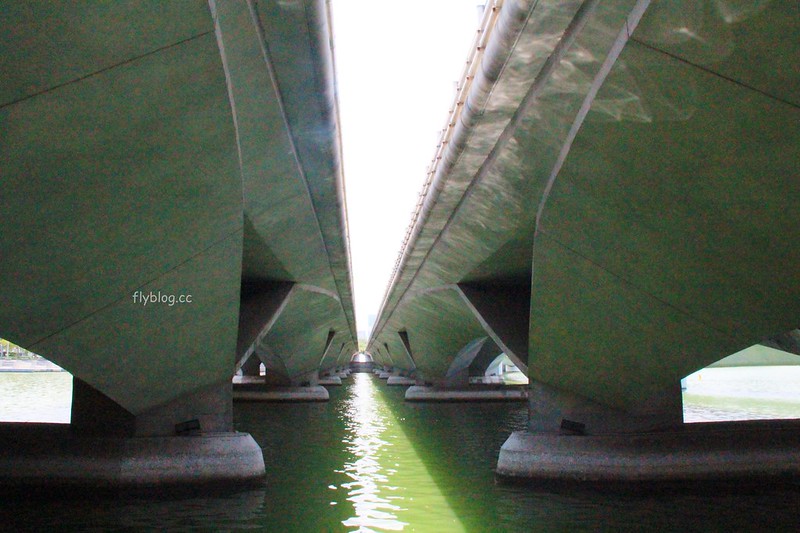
column 172, row 195
column 633, row 181
column 617, row 193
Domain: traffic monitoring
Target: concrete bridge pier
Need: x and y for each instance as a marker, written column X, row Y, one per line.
column 384, row 371
column 329, row 377
column 189, row 440
column 397, row 376
column 456, row 386
column 403, row 378
column 276, row 385
column 571, row 439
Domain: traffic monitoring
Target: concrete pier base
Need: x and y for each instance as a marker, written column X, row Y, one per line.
column 248, row 380
column 419, row 393
column 385, row 375
column 330, row 380
column 735, row 452
column 316, row 393
column 400, row 380
column 50, row 456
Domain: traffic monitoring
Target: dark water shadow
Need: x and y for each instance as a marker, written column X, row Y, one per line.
column 459, row 444
column 304, row 458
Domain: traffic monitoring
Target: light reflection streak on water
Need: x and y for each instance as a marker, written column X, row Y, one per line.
column 391, row 488
column 365, row 425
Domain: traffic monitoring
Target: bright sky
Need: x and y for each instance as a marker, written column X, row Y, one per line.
column 397, row 64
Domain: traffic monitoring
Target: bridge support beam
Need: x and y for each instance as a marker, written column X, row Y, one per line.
column 721, row 453
column 401, row 381
column 572, row 440
column 557, row 411
column 503, row 310
column 330, row 379
column 278, row 387
column 187, row 441
column 456, row 387
column 475, row 393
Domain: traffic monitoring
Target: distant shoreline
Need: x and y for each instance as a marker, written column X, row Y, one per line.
column 29, row 365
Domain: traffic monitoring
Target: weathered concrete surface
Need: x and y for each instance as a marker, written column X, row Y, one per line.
column 740, row 452
column 330, row 380
column 52, row 456
column 476, row 393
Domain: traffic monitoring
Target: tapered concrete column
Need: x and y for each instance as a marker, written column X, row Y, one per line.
column 203, row 411
column 458, row 374
column 306, row 379
column 503, row 311
column 260, row 305
column 329, row 379
column 573, row 440
column 187, row 441
column 557, row 411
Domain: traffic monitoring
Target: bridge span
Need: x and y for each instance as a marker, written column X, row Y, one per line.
column 173, row 203
column 611, row 205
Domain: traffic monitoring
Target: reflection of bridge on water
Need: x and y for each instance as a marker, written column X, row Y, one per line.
column 610, row 207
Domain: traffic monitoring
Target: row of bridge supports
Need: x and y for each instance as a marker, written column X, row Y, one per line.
column 272, row 386
column 186, row 441
column 572, row 440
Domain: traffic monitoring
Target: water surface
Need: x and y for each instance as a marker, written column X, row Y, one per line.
column 368, row 461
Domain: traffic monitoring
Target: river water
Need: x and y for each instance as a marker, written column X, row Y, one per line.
column 368, row 461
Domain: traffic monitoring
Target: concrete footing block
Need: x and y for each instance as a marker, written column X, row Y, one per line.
column 131, row 463
column 400, row 380
column 385, row 375
column 330, row 380
column 419, row 393
column 735, row 452
column 282, row 394
column 248, row 380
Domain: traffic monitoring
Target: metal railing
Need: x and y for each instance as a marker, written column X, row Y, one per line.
column 490, row 15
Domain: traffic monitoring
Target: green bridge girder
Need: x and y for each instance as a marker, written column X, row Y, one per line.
column 614, row 204
column 190, row 148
